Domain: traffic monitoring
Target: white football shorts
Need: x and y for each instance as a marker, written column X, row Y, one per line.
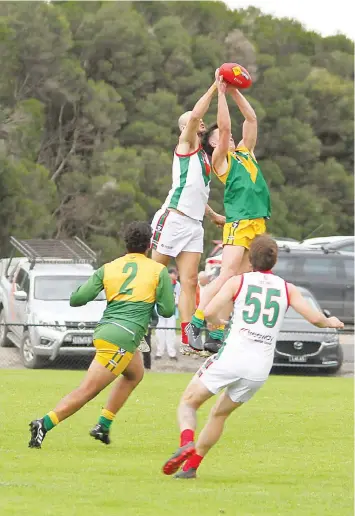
column 217, row 373
column 174, row 233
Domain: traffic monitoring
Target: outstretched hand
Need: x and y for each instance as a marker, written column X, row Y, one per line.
column 334, row 322
column 221, row 84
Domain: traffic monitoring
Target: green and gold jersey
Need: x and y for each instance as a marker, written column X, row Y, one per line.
column 133, row 284
column 246, row 194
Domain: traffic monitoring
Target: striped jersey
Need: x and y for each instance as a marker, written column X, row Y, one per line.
column 191, row 184
column 259, row 309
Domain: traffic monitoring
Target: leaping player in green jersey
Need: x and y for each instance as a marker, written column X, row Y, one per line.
column 246, row 201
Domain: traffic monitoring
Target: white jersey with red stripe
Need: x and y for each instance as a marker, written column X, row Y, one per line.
column 259, row 309
column 191, row 184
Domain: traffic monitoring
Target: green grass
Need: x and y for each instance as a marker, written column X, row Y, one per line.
column 289, row 451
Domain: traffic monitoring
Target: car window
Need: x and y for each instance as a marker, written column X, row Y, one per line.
column 19, row 278
column 59, row 288
column 320, row 266
column 349, row 248
column 349, row 268
column 25, row 285
column 292, row 314
column 285, row 265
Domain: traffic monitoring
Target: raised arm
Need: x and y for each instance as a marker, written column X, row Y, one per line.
column 221, row 305
column 188, row 137
column 165, row 295
column 250, row 125
column 89, row 290
column 219, row 161
column 299, row 303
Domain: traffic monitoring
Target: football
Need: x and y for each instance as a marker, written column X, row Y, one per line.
column 236, row 75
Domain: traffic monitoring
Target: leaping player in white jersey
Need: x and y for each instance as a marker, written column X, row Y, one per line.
column 177, row 226
column 258, row 301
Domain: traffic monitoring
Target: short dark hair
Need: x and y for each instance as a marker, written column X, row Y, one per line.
column 263, row 253
column 207, row 147
column 137, row 237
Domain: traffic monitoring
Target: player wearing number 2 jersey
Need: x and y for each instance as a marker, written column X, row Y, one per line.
column 133, row 284
column 258, row 301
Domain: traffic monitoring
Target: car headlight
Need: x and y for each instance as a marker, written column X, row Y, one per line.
column 332, row 339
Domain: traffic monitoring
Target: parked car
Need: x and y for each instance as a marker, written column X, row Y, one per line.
column 215, row 257
column 300, row 344
column 321, row 241
column 342, row 246
column 34, row 305
column 329, row 275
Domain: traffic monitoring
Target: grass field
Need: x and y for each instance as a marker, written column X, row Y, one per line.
column 289, row 451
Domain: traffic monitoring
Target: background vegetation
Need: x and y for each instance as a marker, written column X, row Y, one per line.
column 90, row 93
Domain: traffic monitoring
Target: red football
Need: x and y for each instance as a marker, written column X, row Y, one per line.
column 236, row 75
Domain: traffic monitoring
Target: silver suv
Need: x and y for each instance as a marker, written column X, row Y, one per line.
column 35, row 314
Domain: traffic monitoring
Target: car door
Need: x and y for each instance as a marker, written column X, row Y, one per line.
column 321, row 274
column 349, row 289
column 20, row 307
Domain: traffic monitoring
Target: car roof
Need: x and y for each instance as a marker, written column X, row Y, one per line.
column 324, row 240
column 58, row 269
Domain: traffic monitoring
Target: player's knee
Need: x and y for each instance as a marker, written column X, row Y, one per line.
column 189, row 281
column 135, row 377
column 227, row 273
column 191, row 400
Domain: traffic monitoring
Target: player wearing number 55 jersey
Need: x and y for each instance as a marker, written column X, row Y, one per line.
column 258, row 301
column 133, row 284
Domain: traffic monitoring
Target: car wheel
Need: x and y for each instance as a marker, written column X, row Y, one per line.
column 4, row 341
column 28, row 355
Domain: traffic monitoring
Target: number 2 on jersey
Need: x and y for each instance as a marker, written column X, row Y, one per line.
column 270, row 311
column 132, row 268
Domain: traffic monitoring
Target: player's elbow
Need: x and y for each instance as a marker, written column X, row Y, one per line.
column 166, row 311
column 195, row 115
column 252, row 118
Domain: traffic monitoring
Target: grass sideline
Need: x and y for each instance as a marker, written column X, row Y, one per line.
column 289, row 451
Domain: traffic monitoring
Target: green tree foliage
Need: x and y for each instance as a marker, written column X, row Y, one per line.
column 90, row 94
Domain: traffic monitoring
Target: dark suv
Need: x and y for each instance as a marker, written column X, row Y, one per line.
column 329, row 275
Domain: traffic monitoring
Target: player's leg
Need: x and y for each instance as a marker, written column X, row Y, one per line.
column 160, row 334
column 194, row 396
column 96, row 379
column 122, row 388
column 171, row 337
column 236, row 241
column 238, row 392
column 187, row 263
column 160, row 258
column 232, row 261
column 209, row 435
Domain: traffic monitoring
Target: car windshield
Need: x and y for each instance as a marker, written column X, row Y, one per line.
column 292, row 314
column 59, row 288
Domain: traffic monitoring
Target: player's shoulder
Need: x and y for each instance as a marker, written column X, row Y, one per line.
column 153, row 265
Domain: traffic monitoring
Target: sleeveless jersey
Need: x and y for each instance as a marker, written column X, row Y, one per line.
column 191, row 184
column 259, row 310
column 246, row 194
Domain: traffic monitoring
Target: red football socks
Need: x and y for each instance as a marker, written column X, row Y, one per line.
column 186, row 436
column 184, row 337
column 193, row 462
